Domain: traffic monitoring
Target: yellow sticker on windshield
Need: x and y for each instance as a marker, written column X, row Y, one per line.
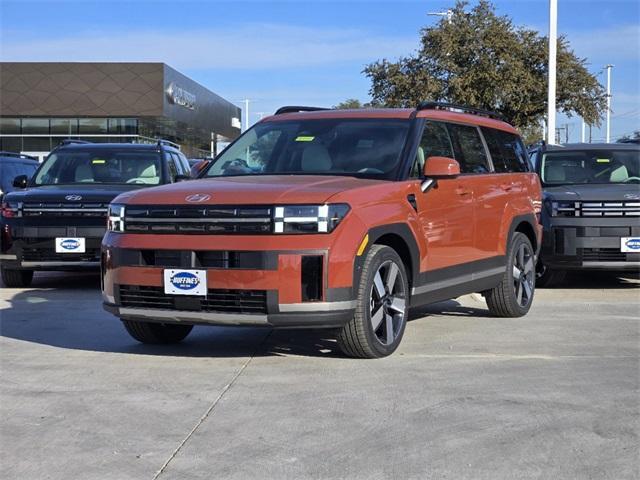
column 602, row 160
column 98, row 161
column 305, row 138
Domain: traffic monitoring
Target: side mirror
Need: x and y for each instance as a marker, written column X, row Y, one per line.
column 20, row 181
column 441, row 167
column 199, row 167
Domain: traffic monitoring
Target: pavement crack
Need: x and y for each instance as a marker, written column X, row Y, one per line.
column 210, row 409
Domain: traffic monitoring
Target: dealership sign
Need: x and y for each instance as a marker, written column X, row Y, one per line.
column 179, row 96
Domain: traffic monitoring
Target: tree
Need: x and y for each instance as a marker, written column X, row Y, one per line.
column 481, row 59
column 353, row 104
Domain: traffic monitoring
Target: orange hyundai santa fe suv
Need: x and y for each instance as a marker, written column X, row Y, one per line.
column 331, row 218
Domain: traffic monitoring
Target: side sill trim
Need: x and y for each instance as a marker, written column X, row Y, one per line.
column 318, row 306
column 430, row 287
column 205, row 317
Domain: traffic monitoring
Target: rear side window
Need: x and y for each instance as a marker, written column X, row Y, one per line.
column 470, row 151
column 506, row 149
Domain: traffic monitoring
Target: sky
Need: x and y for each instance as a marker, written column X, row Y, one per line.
column 303, row 52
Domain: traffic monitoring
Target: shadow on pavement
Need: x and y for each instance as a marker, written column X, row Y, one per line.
column 600, row 280
column 64, row 311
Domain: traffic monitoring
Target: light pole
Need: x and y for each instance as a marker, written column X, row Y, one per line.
column 608, row 67
column 448, row 14
column 551, row 94
column 246, row 114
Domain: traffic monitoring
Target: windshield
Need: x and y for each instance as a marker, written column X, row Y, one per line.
column 108, row 166
column 357, row 147
column 590, row 166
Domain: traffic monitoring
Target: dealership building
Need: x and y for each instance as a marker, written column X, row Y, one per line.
column 43, row 103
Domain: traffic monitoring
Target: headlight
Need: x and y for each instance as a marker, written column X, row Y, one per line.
column 308, row 218
column 115, row 219
column 560, row 209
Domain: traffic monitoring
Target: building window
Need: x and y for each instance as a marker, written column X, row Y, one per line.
column 64, row 126
column 11, row 144
column 35, row 126
column 94, row 126
column 36, row 144
column 9, row 125
column 123, row 126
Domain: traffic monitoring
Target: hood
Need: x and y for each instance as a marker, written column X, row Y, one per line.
column 602, row 192
column 90, row 193
column 250, row 190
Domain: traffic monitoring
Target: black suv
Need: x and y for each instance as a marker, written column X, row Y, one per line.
column 591, row 213
column 57, row 218
column 13, row 165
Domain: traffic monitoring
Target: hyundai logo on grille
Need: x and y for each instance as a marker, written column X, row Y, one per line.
column 633, row 243
column 198, row 197
column 185, row 280
column 73, row 198
column 70, row 244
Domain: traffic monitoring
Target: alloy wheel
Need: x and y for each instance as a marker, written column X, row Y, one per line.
column 387, row 302
column 523, row 275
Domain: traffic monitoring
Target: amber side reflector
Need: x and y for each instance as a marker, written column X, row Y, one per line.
column 363, row 245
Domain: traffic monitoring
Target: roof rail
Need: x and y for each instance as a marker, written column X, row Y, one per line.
column 17, row 155
column 454, row 106
column 294, row 109
column 168, row 143
column 68, row 141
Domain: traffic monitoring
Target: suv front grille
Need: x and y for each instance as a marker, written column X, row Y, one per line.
column 30, row 254
column 208, row 220
column 217, row 300
column 597, row 209
column 65, row 210
column 603, row 255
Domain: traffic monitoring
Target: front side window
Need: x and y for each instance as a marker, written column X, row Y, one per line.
column 368, row 148
column 435, row 142
column 590, row 166
column 100, row 166
column 473, row 158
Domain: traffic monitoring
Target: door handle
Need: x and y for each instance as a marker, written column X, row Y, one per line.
column 506, row 186
column 463, row 191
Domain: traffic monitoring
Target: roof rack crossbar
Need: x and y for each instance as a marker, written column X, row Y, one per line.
column 453, row 106
column 169, row 143
column 68, row 141
column 294, row 109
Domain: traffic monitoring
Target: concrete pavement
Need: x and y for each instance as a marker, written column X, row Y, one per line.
column 553, row 395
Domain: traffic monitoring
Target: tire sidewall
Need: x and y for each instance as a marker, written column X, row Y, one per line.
column 377, row 259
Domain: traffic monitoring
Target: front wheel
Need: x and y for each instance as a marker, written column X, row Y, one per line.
column 156, row 333
column 380, row 318
column 513, row 296
column 16, row 278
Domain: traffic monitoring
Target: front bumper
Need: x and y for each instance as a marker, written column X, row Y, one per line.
column 39, row 253
column 589, row 244
column 292, row 281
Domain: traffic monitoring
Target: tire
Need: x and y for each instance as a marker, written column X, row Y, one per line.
column 16, row 278
column 514, row 295
column 384, row 291
column 157, row 333
column 547, row 278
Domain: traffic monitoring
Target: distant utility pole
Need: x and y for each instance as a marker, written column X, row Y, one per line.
column 551, row 94
column 246, row 114
column 608, row 67
column 447, row 14
column 583, row 131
